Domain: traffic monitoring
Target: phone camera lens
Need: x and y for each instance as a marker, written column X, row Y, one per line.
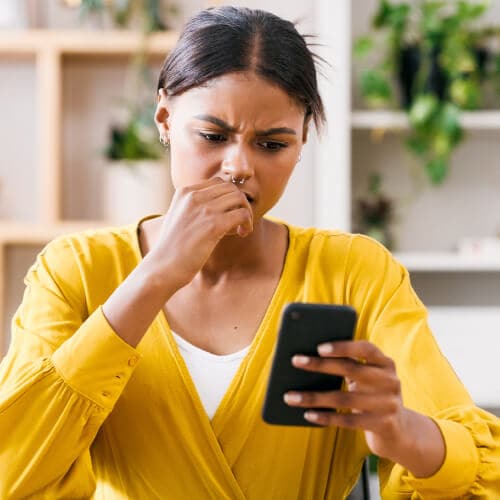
column 295, row 315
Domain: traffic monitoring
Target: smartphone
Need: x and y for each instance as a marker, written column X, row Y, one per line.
column 303, row 326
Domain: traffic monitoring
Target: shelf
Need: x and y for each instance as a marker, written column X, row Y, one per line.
column 397, row 120
column 447, row 262
column 82, row 42
column 12, row 233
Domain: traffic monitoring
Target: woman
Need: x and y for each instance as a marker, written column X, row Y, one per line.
column 140, row 354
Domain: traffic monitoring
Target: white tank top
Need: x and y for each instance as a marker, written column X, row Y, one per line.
column 211, row 373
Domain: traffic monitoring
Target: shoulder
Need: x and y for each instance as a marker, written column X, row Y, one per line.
column 352, row 248
column 359, row 260
column 94, row 244
column 85, row 258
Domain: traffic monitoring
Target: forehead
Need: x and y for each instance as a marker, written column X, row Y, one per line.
column 240, row 97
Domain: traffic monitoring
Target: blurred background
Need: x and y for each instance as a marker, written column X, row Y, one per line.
column 411, row 154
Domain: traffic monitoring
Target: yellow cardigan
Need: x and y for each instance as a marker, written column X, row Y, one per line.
column 85, row 415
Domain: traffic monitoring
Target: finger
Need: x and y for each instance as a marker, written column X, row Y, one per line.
column 232, row 219
column 364, row 421
column 230, row 201
column 360, row 376
column 362, row 350
column 213, row 181
column 361, row 401
column 209, row 190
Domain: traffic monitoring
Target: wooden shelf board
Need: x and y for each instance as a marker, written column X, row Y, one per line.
column 14, row 233
column 447, row 262
column 397, row 120
column 84, row 42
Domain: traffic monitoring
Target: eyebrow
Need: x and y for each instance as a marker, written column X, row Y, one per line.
column 228, row 128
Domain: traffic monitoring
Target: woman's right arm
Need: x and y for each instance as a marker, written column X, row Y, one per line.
column 65, row 369
column 198, row 217
column 60, row 379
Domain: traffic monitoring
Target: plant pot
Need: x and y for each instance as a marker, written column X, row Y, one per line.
column 135, row 189
column 409, row 63
column 436, row 81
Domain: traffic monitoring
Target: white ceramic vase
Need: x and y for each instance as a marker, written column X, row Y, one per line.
column 133, row 190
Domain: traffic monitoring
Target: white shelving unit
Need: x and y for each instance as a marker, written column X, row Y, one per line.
column 397, row 120
column 461, row 292
column 447, row 262
column 51, row 52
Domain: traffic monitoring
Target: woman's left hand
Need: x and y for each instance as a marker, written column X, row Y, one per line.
column 373, row 394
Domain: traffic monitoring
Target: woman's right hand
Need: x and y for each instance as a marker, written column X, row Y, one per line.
column 198, row 218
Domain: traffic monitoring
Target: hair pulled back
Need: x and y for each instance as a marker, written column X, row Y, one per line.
column 222, row 40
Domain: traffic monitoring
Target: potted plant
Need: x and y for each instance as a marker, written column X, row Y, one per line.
column 440, row 59
column 375, row 212
column 146, row 15
column 136, row 178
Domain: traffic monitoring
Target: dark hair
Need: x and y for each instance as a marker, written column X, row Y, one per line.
column 222, row 40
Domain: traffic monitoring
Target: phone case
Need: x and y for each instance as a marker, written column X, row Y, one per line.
column 303, row 327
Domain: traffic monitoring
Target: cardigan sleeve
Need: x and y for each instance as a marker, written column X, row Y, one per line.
column 399, row 326
column 63, row 373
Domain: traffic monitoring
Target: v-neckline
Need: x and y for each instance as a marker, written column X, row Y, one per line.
column 161, row 319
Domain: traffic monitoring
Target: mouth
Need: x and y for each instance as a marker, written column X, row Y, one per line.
column 249, row 198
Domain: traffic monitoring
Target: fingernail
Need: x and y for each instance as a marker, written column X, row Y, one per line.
column 311, row 415
column 300, row 359
column 325, row 348
column 292, row 397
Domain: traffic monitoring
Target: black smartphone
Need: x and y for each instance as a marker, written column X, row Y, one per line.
column 303, row 326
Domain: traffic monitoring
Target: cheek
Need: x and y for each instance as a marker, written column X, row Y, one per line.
column 188, row 166
column 277, row 180
column 283, row 172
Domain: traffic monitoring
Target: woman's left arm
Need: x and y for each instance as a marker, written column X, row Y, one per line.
column 374, row 399
column 402, row 392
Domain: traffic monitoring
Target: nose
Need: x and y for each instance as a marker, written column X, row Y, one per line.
column 237, row 165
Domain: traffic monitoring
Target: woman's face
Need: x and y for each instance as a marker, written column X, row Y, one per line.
column 238, row 125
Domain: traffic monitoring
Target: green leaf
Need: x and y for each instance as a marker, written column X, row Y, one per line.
column 375, row 87
column 423, row 110
column 374, row 183
column 437, row 168
column 363, row 45
column 398, row 16
column 448, row 119
column 442, row 144
column 465, row 93
column 417, row 145
column 382, row 15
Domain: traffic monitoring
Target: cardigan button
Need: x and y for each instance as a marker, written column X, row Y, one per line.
column 132, row 361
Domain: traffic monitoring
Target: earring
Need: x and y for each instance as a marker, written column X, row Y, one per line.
column 165, row 142
column 300, row 157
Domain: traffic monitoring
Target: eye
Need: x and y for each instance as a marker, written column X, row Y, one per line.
column 213, row 137
column 273, row 145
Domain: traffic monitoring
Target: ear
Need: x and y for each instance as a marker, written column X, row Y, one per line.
column 162, row 113
column 305, row 130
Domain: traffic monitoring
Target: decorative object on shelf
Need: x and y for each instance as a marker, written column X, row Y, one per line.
column 136, row 176
column 480, row 247
column 441, row 61
column 145, row 15
column 375, row 212
column 131, row 193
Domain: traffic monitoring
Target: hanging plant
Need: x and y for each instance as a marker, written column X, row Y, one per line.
column 440, row 61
